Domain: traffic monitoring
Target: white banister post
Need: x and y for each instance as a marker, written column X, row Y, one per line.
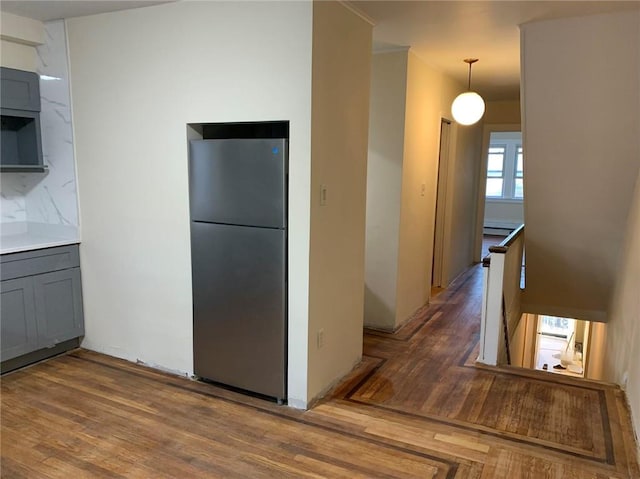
column 491, row 326
column 485, row 289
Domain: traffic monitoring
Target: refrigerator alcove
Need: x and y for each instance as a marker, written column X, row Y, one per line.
column 238, row 203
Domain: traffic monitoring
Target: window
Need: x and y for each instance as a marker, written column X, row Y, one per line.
column 505, row 172
column 554, row 326
column 495, row 171
column 518, row 188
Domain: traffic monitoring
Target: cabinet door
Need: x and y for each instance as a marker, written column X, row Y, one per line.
column 58, row 306
column 18, row 318
column 20, row 90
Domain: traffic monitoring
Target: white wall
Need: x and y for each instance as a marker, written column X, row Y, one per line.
column 428, row 99
column 581, row 122
column 424, row 110
column 339, row 121
column 622, row 362
column 384, row 186
column 502, row 112
column 138, row 77
column 503, row 214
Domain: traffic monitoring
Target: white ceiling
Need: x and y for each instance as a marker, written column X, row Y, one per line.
column 442, row 33
column 46, row 10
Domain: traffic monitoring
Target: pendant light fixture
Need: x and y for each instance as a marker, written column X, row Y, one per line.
column 468, row 107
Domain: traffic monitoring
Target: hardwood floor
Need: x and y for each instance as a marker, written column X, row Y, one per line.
column 416, row 406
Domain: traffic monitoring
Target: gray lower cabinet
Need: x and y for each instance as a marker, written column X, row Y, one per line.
column 41, row 308
column 19, row 330
column 58, row 300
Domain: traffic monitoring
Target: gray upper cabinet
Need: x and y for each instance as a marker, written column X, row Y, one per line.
column 20, row 90
column 41, row 300
column 20, row 122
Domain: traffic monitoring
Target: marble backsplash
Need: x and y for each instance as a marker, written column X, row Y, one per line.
column 48, row 198
column 13, row 194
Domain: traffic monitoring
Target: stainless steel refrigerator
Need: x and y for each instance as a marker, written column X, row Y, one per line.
column 238, row 199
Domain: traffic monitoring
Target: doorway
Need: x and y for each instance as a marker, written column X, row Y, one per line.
column 504, row 187
column 437, row 276
column 500, row 192
column 561, row 345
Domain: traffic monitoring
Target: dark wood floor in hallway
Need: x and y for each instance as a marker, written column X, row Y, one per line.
column 416, row 407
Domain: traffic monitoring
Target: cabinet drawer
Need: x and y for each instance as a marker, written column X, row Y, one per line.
column 27, row 263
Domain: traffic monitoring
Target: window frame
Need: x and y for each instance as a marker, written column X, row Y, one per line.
column 502, row 170
column 518, row 176
column 509, row 170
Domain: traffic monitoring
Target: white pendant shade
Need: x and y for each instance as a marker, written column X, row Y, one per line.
column 467, row 108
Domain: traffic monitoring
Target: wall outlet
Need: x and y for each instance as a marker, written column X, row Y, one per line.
column 320, row 338
column 423, row 188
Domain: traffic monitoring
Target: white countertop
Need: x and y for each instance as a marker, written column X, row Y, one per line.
column 26, row 242
column 32, row 236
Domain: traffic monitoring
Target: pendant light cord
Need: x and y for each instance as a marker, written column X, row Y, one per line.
column 470, row 61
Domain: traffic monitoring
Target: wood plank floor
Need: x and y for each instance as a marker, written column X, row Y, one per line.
column 416, row 407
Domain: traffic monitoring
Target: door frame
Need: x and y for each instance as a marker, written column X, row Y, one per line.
column 482, row 186
column 438, row 266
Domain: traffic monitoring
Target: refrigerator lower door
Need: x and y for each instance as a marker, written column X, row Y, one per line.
column 239, row 301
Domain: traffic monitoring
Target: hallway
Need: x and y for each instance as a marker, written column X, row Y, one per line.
column 426, row 372
column 416, row 407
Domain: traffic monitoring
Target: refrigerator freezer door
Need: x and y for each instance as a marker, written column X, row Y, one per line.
column 239, row 294
column 240, row 182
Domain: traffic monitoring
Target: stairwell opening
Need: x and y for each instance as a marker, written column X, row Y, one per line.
column 558, row 345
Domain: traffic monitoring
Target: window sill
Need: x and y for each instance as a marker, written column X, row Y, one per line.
column 489, row 199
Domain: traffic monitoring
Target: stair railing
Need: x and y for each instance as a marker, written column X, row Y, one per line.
column 501, row 309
